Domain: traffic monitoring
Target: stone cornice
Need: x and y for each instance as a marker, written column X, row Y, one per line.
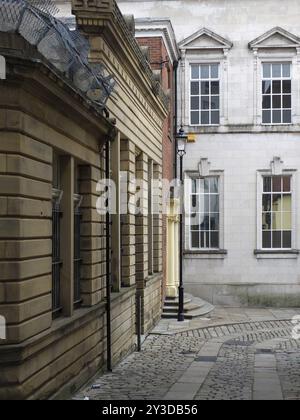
column 105, row 17
column 40, row 73
column 161, row 27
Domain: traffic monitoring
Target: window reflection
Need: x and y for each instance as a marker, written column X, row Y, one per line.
column 277, row 212
column 205, row 213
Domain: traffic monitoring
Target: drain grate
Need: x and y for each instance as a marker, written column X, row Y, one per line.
column 264, row 351
column 206, row 359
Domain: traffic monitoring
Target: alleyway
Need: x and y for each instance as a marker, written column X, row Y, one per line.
column 237, row 354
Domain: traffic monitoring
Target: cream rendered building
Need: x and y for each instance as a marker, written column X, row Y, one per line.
column 239, row 96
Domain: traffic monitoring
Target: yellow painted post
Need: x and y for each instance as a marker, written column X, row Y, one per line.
column 172, row 249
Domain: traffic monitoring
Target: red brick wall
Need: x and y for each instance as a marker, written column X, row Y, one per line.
column 160, row 60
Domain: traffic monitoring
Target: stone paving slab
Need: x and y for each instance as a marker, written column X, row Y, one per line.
column 254, row 358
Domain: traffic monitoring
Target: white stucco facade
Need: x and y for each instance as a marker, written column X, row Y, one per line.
column 240, row 37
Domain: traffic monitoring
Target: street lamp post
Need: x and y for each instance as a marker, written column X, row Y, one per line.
column 181, row 143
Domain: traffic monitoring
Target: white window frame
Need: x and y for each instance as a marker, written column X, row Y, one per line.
column 203, row 63
column 260, row 175
column 281, row 62
column 188, row 59
column 269, row 58
column 188, row 192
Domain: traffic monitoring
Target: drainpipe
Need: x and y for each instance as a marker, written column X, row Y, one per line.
column 108, row 269
column 110, row 138
column 175, row 69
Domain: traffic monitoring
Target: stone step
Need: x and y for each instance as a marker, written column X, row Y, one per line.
column 175, row 301
column 187, row 307
column 193, row 308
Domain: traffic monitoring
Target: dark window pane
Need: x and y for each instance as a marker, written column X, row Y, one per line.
column 214, row 71
column 215, row 102
column 195, row 240
column 276, row 70
column 266, row 104
column 206, row 203
column 205, row 117
column 204, row 222
column 266, row 239
column 215, row 117
column 266, row 86
column 204, row 239
column 266, row 221
column 195, row 72
column 286, row 86
column 215, row 88
column 276, row 117
column 195, row 102
column 276, row 183
column 276, row 101
column 287, row 117
column 204, row 102
column 204, row 72
column 194, row 203
column 195, row 118
column 206, row 185
column 214, row 239
column 266, row 117
column 214, row 221
column 287, row 101
column 286, row 70
column 204, row 88
column 286, row 183
column 287, row 239
column 276, row 239
column 195, row 88
column 214, row 185
column 276, row 86
column 266, row 202
column 267, row 183
column 214, row 203
column 266, row 71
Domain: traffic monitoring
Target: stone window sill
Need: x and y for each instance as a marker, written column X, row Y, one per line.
column 211, row 254
column 276, row 254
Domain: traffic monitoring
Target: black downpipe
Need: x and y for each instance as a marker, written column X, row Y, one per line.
column 175, row 69
column 108, row 270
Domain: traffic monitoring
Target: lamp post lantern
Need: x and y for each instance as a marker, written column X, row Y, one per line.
column 181, row 144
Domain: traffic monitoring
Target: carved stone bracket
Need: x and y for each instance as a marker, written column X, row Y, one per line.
column 204, row 167
column 277, row 166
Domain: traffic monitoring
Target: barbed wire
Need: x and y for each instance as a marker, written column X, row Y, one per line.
column 66, row 50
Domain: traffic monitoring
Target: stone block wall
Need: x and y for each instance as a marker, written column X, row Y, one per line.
column 25, row 235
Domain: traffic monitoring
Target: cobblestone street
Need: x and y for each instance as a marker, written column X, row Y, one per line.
column 254, row 357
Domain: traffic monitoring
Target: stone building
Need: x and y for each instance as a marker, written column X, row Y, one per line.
column 53, row 242
column 239, row 102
